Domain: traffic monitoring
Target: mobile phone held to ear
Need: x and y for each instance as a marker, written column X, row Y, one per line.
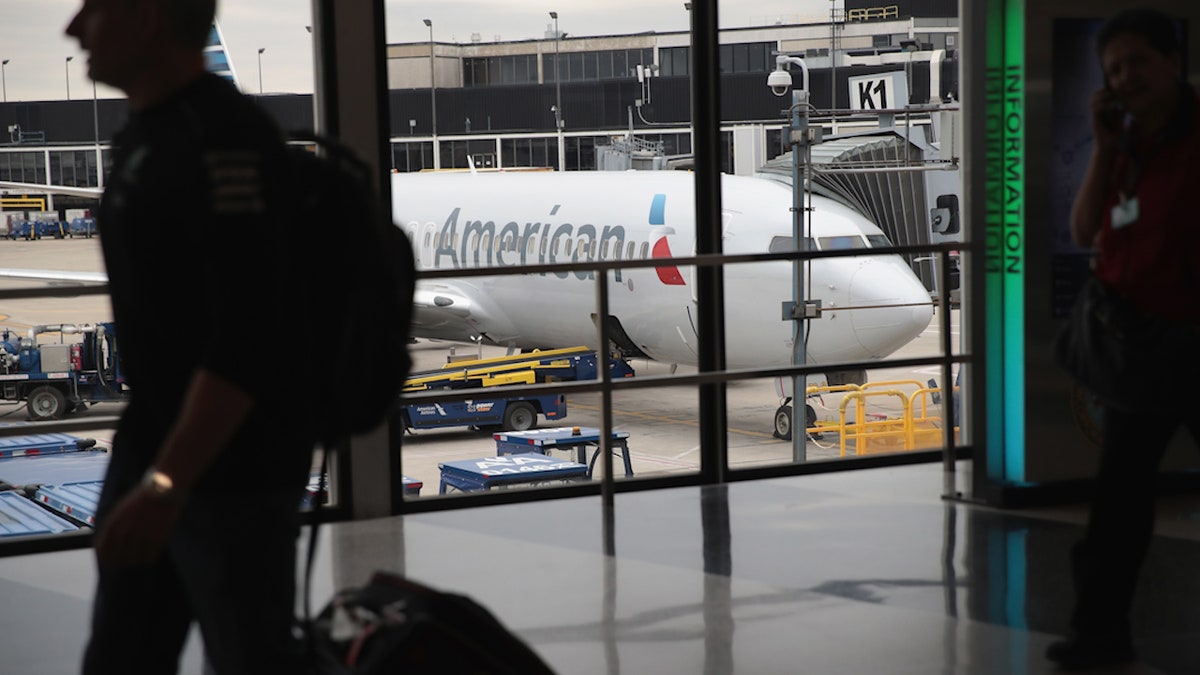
column 1113, row 115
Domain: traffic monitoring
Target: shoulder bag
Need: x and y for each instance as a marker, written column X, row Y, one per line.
column 1123, row 356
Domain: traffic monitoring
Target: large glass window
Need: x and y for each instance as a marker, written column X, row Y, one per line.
column 408, row 157
column 499, row 70
column 81, row 352
column 528, row 152
column 73, row 168
column 673, row 61
column 591, row 66
column 530, row 224
column 22, row 167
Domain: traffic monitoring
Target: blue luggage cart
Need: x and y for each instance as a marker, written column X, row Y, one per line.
column 485, row 473
column 82, row 227
column 42, row 444
column 77, row 501
column 21, row 517
column 578, row 439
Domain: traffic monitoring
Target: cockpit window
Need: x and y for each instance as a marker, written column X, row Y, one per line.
column 879, row 241
column 784, row 245
column 841, row 243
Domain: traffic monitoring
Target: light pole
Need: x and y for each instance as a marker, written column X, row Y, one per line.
column 67, row 65
column 260, row 53
column 909, row 46
column 3, row 79
column 780, row 83
column 558, row 109
column 433, row 97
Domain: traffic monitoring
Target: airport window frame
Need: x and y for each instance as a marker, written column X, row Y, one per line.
column 778, row 470
column 590, row 66
column 23, row 166
column 422, row 150
column 654, row 482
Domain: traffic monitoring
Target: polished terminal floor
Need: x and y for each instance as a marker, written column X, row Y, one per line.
column 860, row 572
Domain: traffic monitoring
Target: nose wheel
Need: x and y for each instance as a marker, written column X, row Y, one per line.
column 783, row 420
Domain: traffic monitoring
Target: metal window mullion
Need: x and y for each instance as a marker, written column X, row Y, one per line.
column 706, row 109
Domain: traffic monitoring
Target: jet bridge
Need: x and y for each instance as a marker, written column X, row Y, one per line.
column 886, row 176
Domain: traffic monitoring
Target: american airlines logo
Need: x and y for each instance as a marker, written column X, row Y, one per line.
column 662, row 248
column 483, row 243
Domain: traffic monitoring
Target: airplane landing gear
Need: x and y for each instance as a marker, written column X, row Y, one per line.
column 783, row 419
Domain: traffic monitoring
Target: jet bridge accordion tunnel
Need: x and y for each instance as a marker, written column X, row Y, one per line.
column 895, row 192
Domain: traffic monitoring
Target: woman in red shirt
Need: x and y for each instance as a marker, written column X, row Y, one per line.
column 1136, row 210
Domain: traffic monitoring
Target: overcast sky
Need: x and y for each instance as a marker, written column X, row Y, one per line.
column 31, row 33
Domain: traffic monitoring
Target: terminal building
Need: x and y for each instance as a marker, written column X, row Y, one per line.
column 705, row 544
column 503, row 104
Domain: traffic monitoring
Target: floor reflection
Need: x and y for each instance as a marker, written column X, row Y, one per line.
column 859, row 572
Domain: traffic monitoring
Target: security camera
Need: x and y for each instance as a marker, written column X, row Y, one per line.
column 780, row 82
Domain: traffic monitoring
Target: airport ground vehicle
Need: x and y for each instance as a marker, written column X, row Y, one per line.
column 512, row 413
column 55, row 379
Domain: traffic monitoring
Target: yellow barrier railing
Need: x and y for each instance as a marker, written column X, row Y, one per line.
column 38, row 203
column 873, row 13
column 874, row 435
column 915, row 428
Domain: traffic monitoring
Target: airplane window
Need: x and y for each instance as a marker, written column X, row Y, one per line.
column 565, row 245
column 645, row 249
column 632, row 246
column 437, row 240
column 532, row 246
column 428, row 236
column 544, row 246
column 781, row 244
column 604, row 250
column 879, row 241
column 841, row 243
column 584, row 248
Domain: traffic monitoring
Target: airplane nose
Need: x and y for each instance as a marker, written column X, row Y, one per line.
column 887, row 281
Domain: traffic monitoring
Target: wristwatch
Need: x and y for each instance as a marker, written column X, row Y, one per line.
column 158, row 483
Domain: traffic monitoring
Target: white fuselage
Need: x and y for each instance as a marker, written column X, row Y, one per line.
column 462, row 221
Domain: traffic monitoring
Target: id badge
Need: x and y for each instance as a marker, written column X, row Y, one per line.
column 1125, row 213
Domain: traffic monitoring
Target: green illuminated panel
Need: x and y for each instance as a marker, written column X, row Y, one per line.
column 993, row 240
column 1014, row 241
column 1004, row 190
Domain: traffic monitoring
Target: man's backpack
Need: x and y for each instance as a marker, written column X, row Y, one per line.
column 357, row 274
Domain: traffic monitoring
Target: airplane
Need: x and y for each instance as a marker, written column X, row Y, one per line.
column 871, row 305
column 497, row 219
